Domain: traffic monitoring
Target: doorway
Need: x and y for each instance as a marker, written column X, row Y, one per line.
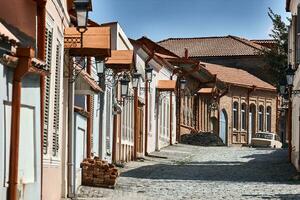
column 252, row 120
column 223, row 126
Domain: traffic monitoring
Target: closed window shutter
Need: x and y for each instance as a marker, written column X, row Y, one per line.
column 56, row 114
column 49, row 37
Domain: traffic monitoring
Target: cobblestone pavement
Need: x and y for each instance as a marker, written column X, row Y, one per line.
column 191, row 172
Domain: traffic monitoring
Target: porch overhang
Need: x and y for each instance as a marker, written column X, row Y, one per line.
column 166, row 85
column 95, row 42
column 120, row 60
column 206, row 91
column 85, row 84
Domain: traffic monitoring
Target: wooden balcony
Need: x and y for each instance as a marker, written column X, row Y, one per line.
column 120, row 60
column 95, row 42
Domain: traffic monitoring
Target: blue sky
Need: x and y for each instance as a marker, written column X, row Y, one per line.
column 161, row 19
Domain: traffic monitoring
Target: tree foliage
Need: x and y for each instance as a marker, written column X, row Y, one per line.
column 277, row 58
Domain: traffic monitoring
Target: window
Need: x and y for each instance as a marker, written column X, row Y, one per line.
column 49, row 37
column 261, row 118
column 56, row 114
column 268, row 116
column 243, row 116
column 235, row 115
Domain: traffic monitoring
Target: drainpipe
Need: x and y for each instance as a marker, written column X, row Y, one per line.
column 135, row 122
column 171, row 116
column 89, row 110
column 115, row 127
column 25, row 55
column 289, row 124
column 41, row 47
column 70, row 146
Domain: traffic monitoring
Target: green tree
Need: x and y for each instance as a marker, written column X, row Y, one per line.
column 277, row 58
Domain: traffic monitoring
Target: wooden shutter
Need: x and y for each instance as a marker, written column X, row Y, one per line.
column 56, row 114
column 49, row 38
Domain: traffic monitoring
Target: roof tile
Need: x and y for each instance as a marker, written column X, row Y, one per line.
column 212, row 46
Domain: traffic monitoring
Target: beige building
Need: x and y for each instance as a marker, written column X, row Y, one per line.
column 292, row 6
column 248, row 105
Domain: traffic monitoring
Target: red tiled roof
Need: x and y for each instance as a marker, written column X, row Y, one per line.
column 237, row 77
column 212, row 46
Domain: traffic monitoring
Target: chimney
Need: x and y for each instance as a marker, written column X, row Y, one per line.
column 186, row 53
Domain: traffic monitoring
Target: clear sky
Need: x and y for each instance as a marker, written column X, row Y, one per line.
column 161, row 19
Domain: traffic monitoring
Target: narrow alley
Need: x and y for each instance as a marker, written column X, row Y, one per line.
column 192, row 172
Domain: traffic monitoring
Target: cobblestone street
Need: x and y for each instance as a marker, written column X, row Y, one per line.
column 190, row 172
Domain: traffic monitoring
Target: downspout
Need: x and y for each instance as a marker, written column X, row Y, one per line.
column 115, row 127
column 89, row 110
column 70, row 146
column 171, row 116
column 135, row 122
column 41, row 47
column 25, row 55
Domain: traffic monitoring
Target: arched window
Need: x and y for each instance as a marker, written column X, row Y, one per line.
column 261, row 118
column 235, row 115
column 243, row 116
column 268, row 116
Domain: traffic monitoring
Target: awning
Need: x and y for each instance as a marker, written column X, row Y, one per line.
column 85, row 84
column 94, row 42
column 120, row 59
column 206, row 90
column 166, row 85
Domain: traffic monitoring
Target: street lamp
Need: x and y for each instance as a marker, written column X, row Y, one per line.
column 182, row 84
column 124, row 87
column 100, row 67
column 149, row 73
column 290, row 75
column 135, row 79
column 82, row 7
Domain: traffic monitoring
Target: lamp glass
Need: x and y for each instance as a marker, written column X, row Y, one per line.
column 183, row 84
column 124, row 87
column 82, row 8
column 149, row 73
column 282, row 89
column 135, row 79
column 290, row 75
column 100, row 66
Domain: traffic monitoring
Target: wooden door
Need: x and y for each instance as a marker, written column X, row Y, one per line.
column 140, row 128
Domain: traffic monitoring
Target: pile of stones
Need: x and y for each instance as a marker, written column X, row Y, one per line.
column 98, row 173
column 202, row 139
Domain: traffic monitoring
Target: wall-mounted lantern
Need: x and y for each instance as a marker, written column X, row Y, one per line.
column 82, row 7
column 290, row 73
column 100, row 66
column 149, row 73
column 135, row 79
column 124, row 87
column 183, row 83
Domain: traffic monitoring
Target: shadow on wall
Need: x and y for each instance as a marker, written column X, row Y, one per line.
column 272, row 167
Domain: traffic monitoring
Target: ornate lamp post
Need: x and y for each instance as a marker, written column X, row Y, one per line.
column 149, row 75
column 135, row 84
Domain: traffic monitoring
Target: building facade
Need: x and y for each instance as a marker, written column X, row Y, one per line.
column 292, row 6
